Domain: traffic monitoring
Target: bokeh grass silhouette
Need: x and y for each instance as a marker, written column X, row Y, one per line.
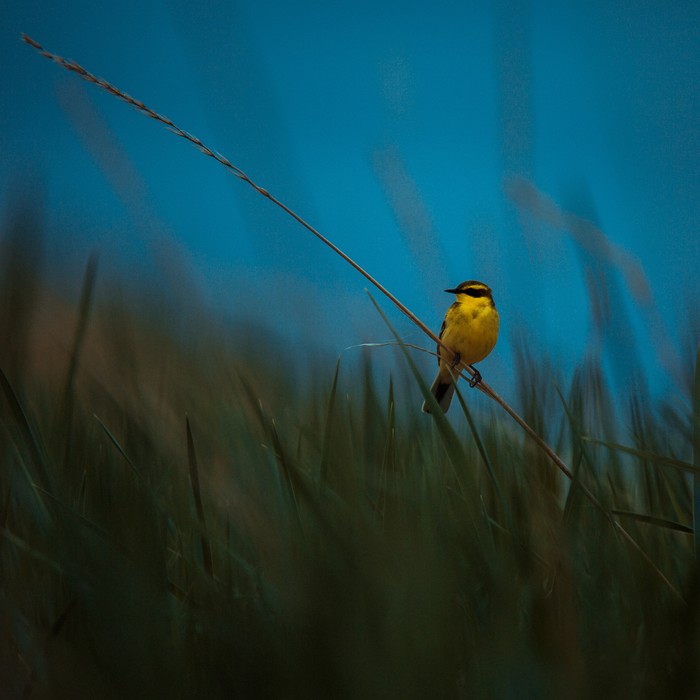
column 183, row 517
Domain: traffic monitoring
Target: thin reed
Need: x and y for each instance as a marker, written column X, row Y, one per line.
column 76, row 68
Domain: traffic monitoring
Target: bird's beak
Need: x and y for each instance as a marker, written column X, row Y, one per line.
column 452, row 291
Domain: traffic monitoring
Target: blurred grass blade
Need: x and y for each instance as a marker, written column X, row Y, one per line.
column 575, row 460
column 65, row 419
column 653, row 520
column 83, row 317
column 458, row 458
column 599, row 505
column 28, row 438
column 60, row 621
column 197, row 495
column 327, row 433
column 22, row 544
column 128, row 460
column 484, row 454
column 90, row 525
column 696, row 455
column 290, row 478
column 646, row 455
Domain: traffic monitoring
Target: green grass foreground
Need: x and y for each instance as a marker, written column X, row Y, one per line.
column 183, row 517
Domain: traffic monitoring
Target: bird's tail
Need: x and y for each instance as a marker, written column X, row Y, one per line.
column 443, row 389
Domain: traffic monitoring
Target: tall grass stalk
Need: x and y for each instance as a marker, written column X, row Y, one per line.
column 237, row 172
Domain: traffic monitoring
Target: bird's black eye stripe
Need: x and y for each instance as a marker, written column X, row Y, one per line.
column 475, row 292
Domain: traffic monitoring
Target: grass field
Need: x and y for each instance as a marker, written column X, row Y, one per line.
column 183, row 516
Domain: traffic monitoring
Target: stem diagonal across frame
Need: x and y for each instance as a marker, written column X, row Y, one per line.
column 76, row 68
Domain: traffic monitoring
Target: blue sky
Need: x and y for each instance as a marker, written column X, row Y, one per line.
column 432, row 142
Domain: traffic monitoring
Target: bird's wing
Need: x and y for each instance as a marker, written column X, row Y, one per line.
column 438, row 346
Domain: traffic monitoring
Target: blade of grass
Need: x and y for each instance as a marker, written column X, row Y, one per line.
column 696, row 455
column 28, row 438
column 29, row 478
column 126, row 457
column 197, row 496
column 646, row 455
column 24, row 435
column 65, row 422
column 450, row 440
column 653, row 520
column 388, row 460
column 484, row 455
column 299, row 491
column 290, row 477
column 83, row 317
column 608, row 515
column 253, row 400
column 31, row 551
column 581, row 457
column 90, row 525
column 325, row 455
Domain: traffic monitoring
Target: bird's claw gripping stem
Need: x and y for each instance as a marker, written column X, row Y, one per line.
column 476, row 378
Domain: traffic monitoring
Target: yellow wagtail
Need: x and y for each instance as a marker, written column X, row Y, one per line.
column 470, row 330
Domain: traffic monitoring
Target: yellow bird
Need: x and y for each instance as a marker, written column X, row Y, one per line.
column 470, row 330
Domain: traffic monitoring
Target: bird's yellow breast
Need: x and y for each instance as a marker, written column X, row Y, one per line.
column 471, row 328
